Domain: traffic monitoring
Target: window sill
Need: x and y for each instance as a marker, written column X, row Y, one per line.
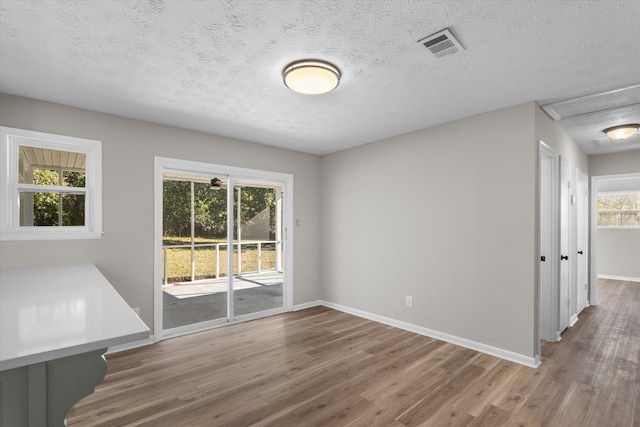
column 50, row 235
column 617, row 228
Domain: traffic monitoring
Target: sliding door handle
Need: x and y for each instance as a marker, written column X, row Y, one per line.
column 564, row 257
column 579, row 252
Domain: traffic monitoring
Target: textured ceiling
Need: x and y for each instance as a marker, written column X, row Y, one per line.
column 215, row 66
column 585, row 117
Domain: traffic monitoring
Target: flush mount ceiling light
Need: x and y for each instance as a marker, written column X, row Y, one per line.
column 622, row 131
column 311, row 76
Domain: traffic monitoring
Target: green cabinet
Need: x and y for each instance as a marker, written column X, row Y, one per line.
column 42, row 394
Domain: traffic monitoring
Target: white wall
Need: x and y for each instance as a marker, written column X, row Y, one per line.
column 447, row 215
column 125, row 253
column 619, row 253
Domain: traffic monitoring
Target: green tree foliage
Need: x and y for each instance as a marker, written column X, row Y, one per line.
column 176, row 214
column 256, row 200
column 46, row 206
column 210, row 208
column 619, row 210
column 73, row 204
column 210, row 211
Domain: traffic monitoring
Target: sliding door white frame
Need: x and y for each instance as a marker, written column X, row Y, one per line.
column 163, row 164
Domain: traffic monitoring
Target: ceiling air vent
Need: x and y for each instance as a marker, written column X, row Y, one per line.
column 441, row 44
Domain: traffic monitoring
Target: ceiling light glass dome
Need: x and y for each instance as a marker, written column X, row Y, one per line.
column 311, row 77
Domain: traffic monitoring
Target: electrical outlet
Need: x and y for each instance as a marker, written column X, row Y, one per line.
column 409, row 301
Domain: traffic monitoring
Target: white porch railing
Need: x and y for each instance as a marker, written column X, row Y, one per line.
column 236, row 246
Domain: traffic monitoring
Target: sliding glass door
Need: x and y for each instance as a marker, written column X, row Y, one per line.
column 222, row 251
column 194, row 250
column 258, row 266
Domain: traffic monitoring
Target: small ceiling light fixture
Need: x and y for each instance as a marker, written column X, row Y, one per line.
column 622, row 131
column 216, row 184
column 311, row 76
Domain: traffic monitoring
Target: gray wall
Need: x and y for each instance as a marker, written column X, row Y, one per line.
column 619, row 252
column 447, row 215
column 615, row 163
column 125, row 253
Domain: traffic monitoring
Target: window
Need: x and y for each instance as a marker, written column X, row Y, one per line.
column 53, row 188
column 620, row 210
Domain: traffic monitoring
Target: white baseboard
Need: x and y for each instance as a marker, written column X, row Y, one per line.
column 309, row 304
column 533, row 362
column 573, row 320
column 131, row 345
column 621, row 278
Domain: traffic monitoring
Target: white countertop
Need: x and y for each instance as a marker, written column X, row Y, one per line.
column 52, row 312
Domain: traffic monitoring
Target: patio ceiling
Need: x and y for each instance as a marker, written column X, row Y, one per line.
column 43, row 158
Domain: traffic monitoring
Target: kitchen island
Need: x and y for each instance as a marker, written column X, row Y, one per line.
column 56, row 324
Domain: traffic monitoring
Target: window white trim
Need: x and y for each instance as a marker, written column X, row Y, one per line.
column 10, row 229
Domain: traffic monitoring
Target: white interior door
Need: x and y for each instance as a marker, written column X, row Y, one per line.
column 565, row 279
column 582, row 195
column 549, row 257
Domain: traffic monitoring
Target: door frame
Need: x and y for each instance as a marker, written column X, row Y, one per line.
column 593, row 234
column 565, row 295
column 161, row 164
column 548, row 314
column 582, row 240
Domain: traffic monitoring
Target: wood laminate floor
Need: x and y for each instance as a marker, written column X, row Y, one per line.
column 321, row 367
